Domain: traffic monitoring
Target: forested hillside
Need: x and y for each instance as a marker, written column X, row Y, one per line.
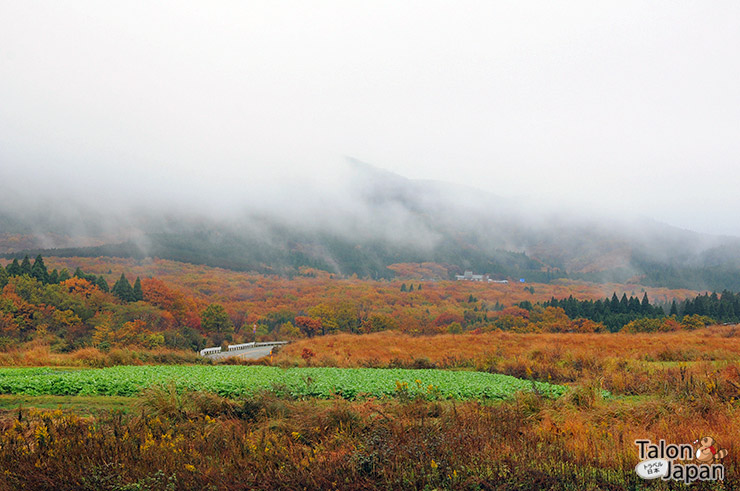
column 392, row 220
column 77, row 303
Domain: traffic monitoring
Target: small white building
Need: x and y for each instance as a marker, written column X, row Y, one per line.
column 469, row 276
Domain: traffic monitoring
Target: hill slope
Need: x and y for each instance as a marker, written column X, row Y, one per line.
column 375, row 219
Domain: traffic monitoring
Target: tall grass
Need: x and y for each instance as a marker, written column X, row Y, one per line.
column 674, row 386
column 628, row 364
column 188, row 441
column 42, row 355
column 448, row 350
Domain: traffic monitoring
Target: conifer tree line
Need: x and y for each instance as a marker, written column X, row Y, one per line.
column 722, row 308
column 616, row 312
column 121, row 289
column 410, row 288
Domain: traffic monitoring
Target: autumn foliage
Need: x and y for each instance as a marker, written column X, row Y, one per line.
column 184, row 306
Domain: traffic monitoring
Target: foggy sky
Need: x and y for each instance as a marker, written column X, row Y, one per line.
column 622, row 106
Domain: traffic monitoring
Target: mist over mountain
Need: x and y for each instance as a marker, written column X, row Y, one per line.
column 365, row 219
column 563, row 140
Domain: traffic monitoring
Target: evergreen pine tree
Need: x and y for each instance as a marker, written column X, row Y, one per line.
column 686, row 308
column 122, row 289
column 26, row 266
column 116, row 290
column 102, row 284
column 13, row 269
column 726, row 306
column 645, row 307
column 713, row 305
column 3, row 278
column 598, row 311
column 411, row 287
column 614, row 304
column 54, row 277
column 419, row 287
column 570, row 305
column 587, row 309
column 39, row 271
column 674, row 308
column 722, row 313
column 64, row 275
column 699, row 305
column 403, row 287
column 624, row 304
column 137, row 292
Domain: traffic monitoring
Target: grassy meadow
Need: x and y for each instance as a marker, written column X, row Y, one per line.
column 620, row 387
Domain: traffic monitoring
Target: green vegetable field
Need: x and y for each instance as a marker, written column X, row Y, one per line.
column 233, row 381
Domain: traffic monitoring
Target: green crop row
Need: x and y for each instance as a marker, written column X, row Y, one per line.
column 234, row 381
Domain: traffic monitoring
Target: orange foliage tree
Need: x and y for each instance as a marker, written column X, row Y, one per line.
column 308, row 325
column 79, row 286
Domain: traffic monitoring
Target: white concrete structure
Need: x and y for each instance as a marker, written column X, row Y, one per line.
column 469, row 276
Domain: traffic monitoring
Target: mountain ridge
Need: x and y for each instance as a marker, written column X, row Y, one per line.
column 379, row 218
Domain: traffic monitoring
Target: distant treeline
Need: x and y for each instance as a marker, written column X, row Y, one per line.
column 617, row 312
column 38, row 270
column 283, row 252
column 707, row 273
column 614, row 313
